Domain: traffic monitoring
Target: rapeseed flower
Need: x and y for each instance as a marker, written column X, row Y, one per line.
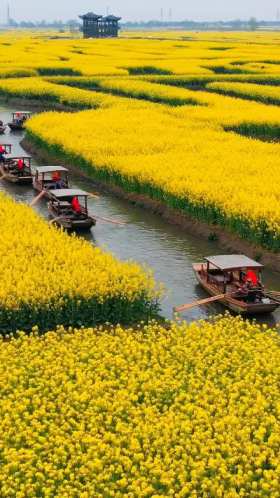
column 49, row 277
column 189, row 411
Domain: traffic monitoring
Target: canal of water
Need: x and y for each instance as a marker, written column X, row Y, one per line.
column 146, row 238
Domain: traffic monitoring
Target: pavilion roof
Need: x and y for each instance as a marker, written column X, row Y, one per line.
column 90, row 15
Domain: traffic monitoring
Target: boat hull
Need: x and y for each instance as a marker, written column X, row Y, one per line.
column 71, row 224
column 237, row 306
column 20, row 180
column 15, row 127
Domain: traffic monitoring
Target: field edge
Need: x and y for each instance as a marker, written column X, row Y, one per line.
column 226, row 239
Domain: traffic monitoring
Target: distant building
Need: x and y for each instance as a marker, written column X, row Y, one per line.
column 95, row 26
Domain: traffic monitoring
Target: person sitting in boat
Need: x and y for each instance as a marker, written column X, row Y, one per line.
column 2, row 152
column 11, row 166
column 244, row 289
column 251, row 290
column 254, row 280
column 251, row 277
column 76, row 206
column 57, row 180
column 20, row 167
column 18, row 118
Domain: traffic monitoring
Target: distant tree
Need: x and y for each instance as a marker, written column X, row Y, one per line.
column 26, row 24
column 13, row 23
column 237, row 23
column 57, row 23
column 73, row 23
column 253, row 24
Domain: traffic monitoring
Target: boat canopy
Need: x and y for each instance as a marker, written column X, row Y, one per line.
column 22, row 112
column 233, row 262
column 10, row 156
column 68, row 192
column 50, row 169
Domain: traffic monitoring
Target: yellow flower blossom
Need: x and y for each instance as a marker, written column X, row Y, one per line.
column 49, row 277
column 190, row 411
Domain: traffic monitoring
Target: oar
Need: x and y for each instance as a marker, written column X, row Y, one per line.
column 274, row 295
column 55, row 219
column 42, row 193
column 3, row 176
column 108, row 220
column 94, row 196
column 201, row 302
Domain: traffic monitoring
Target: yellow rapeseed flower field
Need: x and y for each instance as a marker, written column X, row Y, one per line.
column 166, row 53
column 268, row 94
column 148, row 411
column 50, row 278
column 147, row 91
column 37, row 89
column 183, row 157
column 190, row 411
column 193, row 157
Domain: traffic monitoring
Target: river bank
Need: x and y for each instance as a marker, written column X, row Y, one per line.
column 227, row 240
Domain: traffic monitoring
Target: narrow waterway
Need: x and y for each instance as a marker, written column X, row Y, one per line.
column 146, row 238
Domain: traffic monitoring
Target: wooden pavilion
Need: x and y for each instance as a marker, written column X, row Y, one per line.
column 95, row 26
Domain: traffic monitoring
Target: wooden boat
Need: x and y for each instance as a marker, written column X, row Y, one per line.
column 10, row 172
column 44, row 178
column 18, row 120
column 226, row 276
column 62, row 212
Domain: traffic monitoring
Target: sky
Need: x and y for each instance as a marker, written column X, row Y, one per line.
column 141, row 10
